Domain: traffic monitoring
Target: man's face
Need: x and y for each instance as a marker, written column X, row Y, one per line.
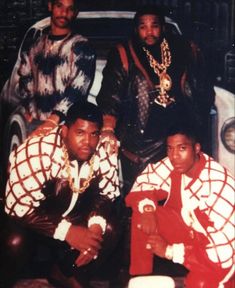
column 81, row 139
column 63, row 12
column 183, row 153
column 149, row 29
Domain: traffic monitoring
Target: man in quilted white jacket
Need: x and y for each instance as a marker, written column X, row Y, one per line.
column 195, row 225
column 63, row 185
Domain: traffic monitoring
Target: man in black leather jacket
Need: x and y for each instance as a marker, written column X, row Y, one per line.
column 63, row 185
column 148, row 82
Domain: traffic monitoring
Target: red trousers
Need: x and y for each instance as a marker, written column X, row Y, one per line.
column 202, row 272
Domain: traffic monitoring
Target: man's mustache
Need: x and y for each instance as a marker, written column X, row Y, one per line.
column 150, row 37
column 64, row 18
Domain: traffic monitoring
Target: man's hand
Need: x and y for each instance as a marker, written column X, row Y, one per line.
column 157, row 244
column 43, row 129
column 87, row 241
column 88, row 255
column 96, row 228
column 46, row 126
column 111, row 143
column 148, row 222
column 82, row 238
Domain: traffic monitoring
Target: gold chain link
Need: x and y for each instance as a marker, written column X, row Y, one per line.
column 68, row 170
column 166, row 58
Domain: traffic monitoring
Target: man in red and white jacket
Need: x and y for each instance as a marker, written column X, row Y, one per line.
column 195, row 226
column 63, row 185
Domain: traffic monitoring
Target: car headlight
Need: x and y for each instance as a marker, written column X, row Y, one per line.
column 228, row 134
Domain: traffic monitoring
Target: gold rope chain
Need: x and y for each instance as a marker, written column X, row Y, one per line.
column 68, row 170
column 165, row 55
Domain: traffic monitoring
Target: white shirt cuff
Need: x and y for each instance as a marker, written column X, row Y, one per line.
column 144, row 202
column 98, row 220
column 178, row 253
column 61, row 230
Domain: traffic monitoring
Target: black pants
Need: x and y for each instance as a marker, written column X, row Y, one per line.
column 16, row 249
column 26, row 254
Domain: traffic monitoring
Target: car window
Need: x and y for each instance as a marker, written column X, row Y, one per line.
column 105, row 28
column 104, row 33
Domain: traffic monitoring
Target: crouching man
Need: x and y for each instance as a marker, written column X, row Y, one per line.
column 195, row 226
column 63, row 185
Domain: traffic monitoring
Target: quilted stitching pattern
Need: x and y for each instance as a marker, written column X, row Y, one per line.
column 41, row 159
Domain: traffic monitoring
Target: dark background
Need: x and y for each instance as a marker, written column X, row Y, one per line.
column 210, row 23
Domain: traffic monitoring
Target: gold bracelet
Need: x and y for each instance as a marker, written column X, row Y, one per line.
column 52, row 121
column 108, row 129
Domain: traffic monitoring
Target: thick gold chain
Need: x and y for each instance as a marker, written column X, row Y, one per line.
column 68, row 170
column 165, row 55
column 160, row 69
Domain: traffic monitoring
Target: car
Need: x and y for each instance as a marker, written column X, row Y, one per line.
column 103, row 29
column 225, row 128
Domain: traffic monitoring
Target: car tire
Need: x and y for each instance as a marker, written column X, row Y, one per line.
column 14, row 134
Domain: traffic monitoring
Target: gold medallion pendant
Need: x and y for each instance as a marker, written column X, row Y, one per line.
column 165, row 81
column 165, row 85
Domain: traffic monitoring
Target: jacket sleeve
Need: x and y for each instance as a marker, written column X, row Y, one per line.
column 26, row 80
column 106, row 170
column 113, row 88
column 219, row 224
column 78, row 74
column 25, row 198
